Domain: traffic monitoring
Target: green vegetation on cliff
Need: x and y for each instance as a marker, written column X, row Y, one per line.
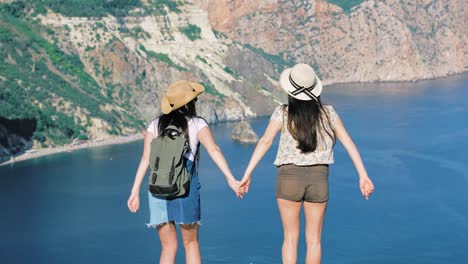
column 211, row 90
column 346, row 5
column 86, row 8
column 160, row 5
column 101, row 8
column 161, row 57
column 191, row 31
column 39, row 81
column 277, row 60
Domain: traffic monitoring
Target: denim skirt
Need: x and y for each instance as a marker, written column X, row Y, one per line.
column 183, row 210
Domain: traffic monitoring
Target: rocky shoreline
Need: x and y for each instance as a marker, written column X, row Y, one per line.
column 125, row 139
column 89, row 144
column 423, row 79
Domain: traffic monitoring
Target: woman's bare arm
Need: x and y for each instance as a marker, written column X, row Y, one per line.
column 144, row 163
column 207, row 140
column 134, row 201
column 366, row 184
column 262, row 147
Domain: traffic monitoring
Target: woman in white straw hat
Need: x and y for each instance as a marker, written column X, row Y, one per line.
column 178, row 108
column 308, row 132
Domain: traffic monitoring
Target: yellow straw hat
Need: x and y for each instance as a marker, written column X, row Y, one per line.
column 179, row 94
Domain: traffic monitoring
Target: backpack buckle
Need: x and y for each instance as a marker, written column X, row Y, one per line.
column 171, row 133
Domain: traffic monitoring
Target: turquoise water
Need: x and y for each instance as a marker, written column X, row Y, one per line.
column 71, row 207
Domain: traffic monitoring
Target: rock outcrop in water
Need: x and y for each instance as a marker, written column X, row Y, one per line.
column 244, row 133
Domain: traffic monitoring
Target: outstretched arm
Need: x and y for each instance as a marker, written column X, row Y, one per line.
column 262, row 147
column 365, row 183
column 134, row 199
column 206, row 139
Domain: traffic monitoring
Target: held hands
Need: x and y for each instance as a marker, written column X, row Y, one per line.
column 234, row 185
column 366, row 186
column 245, row 184
column 240, row 187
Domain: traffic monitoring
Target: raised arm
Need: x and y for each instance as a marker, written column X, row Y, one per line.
column 365, row 183
column 134, row 199
column 262, row 147
column 206, row 139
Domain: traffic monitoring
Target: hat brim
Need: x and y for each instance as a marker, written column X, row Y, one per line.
column 288, row 88
column 166, row 107
column 182, row 97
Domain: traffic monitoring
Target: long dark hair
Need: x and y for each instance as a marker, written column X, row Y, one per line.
column 179, row 118
column 308, row 123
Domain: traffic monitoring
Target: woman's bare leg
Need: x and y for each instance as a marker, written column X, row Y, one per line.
column 191, row 245
column 168, row 236
column 314, row 214
column 290, row 213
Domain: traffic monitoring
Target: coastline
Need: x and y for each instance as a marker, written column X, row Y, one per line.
column 461, row 74
column 90, row 144
column 125, row 139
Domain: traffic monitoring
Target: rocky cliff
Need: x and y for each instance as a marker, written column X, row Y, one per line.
column 97, row 70
column 385, row 40
column 143, row 53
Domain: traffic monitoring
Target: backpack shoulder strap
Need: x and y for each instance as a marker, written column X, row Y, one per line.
column 196, row 159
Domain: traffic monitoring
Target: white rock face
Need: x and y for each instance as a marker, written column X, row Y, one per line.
column 202, row 59
column 384, row 40
column 242, row 46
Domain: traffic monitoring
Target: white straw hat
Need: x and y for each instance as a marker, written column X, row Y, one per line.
column 301, row 82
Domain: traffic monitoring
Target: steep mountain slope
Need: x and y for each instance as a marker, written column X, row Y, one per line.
column 385, row 40
column 82, row 69
column 45, row 92
column 94, row 77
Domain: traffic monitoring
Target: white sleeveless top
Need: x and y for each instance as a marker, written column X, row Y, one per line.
column 288, row 153
column 194, row 126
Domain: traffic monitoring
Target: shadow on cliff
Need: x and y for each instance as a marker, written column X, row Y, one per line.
column 15, row 137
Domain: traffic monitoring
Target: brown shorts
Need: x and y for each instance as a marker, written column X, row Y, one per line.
column 302, row 183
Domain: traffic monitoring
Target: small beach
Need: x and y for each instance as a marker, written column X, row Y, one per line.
column 69, row 148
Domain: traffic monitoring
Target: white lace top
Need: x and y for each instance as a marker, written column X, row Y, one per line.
column 288, row 153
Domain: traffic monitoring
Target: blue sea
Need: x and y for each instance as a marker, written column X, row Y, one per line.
column 413, row 137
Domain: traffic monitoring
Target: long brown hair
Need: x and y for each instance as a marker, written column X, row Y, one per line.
column 178, row 118
column 308, row 123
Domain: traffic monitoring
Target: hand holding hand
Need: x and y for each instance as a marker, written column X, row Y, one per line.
column 366, row 186
column 133, row 202
column 234, row 185
column 245, row 184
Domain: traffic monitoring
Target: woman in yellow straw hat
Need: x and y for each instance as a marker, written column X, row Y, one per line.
column 308, row 131
column 178, row 108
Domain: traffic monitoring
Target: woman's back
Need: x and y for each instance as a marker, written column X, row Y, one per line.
column 289, row 153
column 194, row 125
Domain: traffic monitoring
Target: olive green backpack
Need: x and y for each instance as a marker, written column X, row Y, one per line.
column 169, row 177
